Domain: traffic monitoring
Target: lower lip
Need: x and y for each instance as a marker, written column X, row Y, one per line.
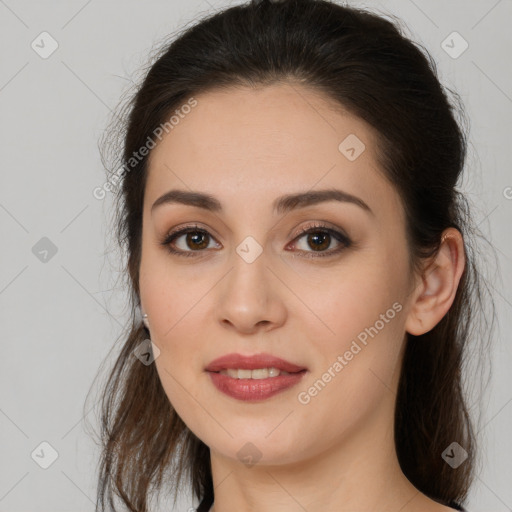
column 251, row 390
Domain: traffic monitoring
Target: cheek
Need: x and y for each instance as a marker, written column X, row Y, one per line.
column 359, row 317
column 344, row 303
column 181, row 337
column 176, row 308
column 172, row 294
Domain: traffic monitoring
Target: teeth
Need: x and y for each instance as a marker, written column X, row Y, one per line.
column 260, row 373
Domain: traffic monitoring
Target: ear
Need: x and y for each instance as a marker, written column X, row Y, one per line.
column 435, row 293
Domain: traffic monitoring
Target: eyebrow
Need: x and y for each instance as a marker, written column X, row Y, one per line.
column 281, row 205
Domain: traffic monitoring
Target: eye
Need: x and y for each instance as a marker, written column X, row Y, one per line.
column 193, row 239
column 320, row 238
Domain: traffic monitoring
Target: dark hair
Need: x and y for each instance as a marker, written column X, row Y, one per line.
column 364, row 63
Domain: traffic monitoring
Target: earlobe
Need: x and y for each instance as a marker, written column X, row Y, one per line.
column 439, row 284
column 145, row 318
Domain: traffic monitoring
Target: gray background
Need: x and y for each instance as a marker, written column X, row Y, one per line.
column 62, row 312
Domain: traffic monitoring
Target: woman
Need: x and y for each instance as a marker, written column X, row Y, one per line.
column 298, row 249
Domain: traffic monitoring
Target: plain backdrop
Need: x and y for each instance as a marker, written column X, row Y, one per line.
column 60, row 303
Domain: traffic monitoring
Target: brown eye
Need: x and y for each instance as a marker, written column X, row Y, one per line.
column 196, row 240
column 187, row 241
column 318, row 239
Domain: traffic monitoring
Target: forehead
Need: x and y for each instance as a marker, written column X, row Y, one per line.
column 262, row 142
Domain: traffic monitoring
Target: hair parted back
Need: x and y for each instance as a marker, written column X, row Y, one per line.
column 364, row 63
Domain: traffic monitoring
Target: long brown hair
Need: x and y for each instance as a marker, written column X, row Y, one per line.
column 365, row 63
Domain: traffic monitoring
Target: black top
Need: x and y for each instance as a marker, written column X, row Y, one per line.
column 207, row 502
column 456, row 506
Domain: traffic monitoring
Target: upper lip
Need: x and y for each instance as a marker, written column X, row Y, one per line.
column 252, row 362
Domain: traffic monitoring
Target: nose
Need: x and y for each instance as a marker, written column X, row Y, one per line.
column 250, row 298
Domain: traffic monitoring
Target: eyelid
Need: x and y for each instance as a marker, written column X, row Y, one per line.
column 320, row 225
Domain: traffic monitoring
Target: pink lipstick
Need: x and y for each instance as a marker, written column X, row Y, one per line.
column 253, row 378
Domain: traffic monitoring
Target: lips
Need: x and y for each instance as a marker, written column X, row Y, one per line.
column 239, row 361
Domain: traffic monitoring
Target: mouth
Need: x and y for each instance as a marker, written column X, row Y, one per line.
column 253, row 378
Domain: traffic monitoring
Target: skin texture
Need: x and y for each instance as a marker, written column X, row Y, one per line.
column 246, row 147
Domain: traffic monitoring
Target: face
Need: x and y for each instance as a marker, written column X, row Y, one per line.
column 322, row 284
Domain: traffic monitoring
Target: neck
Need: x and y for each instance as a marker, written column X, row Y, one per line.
column 361, row 472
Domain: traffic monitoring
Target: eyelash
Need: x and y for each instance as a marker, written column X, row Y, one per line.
column 316, row 228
